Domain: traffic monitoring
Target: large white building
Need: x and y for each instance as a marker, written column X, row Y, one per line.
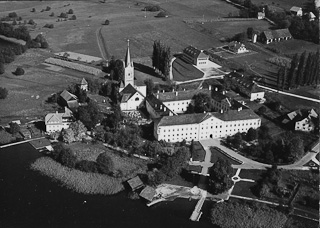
column 195, row 56
column 131, row 99
column 58, row 121
column 205, row 125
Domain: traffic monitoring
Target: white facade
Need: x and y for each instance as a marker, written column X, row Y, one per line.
column 56, row 122
column 304, row 125
column 133, row 103
column 256, row 95
column 56, row 127
column 210, row 128
column 178, row 106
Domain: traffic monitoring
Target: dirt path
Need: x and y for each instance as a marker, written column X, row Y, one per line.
column 101, row 44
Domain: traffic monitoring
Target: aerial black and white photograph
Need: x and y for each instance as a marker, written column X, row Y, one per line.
column 159, row 114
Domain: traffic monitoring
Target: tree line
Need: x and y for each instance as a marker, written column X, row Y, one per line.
column 161, row 56
column 304, row 70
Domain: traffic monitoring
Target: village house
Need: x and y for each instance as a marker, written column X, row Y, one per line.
column 195, row 56
column 201, row 126
column 237, row 47
column 275, row 35
column 68, row 99
column 244, row 85
column 58, row 121
column 297, row 11
column 261, row 15
column 302, row 120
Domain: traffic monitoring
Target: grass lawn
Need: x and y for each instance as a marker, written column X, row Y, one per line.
column 253, row 174
column 298, row 222
column 242, row 188
column 129, row 166
column 284, row 4
column 183, row 71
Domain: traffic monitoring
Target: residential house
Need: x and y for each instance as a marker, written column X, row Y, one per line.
column 237, row 47
column 70, row 100
column 275, row 35
column 195, row 56
column 302, row 120
column 84, row 84
column 201, row 126
column 58, row 121
column 244, row 85
column 311, row 16
column 297, row 11
column 131, row 99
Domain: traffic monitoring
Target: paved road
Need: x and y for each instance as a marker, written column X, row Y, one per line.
column 16, row 143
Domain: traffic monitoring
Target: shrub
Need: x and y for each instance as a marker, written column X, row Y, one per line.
column 70, row 11
column 107, row 22
column 67, row 158
column 73, row 17
column 44, row 45
column 33, row 44
column 64, row 15
column 14, row 128
column 105, row 163
column 33, row 10
column 162, row 14
column 39, row 38
column 48, row 8
column 50, row 26
column 13, row 15
column 31, row 22
column 14, row 22
column 19, row 71
column 2, row 70
column 5, row 137
column 87, row 166
column 52, row 14
column 152, row 8
column 262, row 110
column 3, row 93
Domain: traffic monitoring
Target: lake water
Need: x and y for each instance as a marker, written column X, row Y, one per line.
column 28, row 199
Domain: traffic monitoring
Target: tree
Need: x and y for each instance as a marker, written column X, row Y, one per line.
column 296, row 148
column 51, row 14
column 150, row 85
column 31, row 22
column 161, row 56
column 107, row 22
column 263, row 132
column 13, row 15
column 70, row 11
column 48, row 8
column 281, row 76
column 2, row 70
column 237, row 140
column 252, row 134
column 44, row 45
column 250, row 32
column 292, row 71
column 68, row 135
column 79, row 130
column 14, row 128
column 87, row 166
column 14, row 22
column 301, row 67
column 220, row 176
column 90, row 115
column 67, row 158
column 262, row 110
column 308, row 69
column 105, row 163
column 73, row 17
column 64, row 15
column 33, row 10
column 3, row 93
column 19, row 71
column 118, row 71
column 202, row 103
column 5, row 137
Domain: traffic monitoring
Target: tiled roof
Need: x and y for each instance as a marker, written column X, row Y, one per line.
column 135, row 183
column 156, row 105
column 279, row 33
column 295, row 8
column 183, row 119
column 181, row 95
column 148, row 193
column 218, row 96
column 53, row 118
column 243, row 81
column 234, row 115
column 194, row 52
column 67, row 96
column 127, row 93
column 84, row 82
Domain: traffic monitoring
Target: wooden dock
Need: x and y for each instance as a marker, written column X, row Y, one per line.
column 196, row 214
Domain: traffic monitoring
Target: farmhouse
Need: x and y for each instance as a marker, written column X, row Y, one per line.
column 68, row 99
column 205, row 125
column 244, row 85
column 275, row 35
column 195, row 56
column 58, row 121
column 237, row 47
column 297, row 11
column 302, row 120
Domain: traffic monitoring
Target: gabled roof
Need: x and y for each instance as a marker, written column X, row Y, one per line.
column 84, row 81
column 148, row 193
column 295, row 9
column 279, row 33
column 194, row 52
column 67, row 96
column 128, row 92
column 245, row 82
column 181, row 95
column 135, row 183
column 53, row 118
column 183, row 119
column 156, row 105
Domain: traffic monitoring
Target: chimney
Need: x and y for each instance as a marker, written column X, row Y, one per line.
column 172, row 90
column 239, row 109
column 158, row 91
column 162, row 91
column 221, row 111
column 209, row 87
column 223, row 92
column 204, row 111
column 164, row 108
column 176, row 93
column 184, row 89
column 157, row 96
column 216, row 89
column 160, row 106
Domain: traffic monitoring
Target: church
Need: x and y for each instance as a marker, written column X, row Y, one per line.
column 132, row 95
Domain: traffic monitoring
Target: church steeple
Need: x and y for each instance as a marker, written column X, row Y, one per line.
column 128, row 59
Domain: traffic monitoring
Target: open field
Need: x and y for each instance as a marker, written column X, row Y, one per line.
column 242, row 188
column 285, row 4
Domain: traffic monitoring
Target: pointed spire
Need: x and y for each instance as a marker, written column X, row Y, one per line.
column 128, row 60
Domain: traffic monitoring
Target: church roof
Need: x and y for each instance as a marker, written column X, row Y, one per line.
column 84, row 81
column 127, row 60
column 128, row 92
